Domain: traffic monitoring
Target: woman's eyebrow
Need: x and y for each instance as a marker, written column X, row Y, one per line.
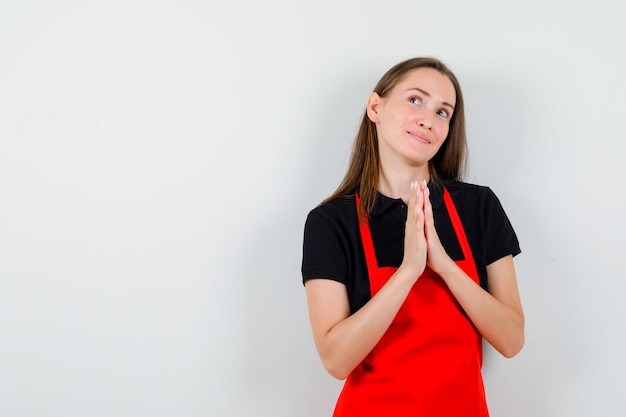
column 427, row 94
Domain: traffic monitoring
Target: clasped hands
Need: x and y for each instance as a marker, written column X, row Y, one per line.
column 421, row 243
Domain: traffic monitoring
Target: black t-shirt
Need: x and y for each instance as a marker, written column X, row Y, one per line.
column 332, row 242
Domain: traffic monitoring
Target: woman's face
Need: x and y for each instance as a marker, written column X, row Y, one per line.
column 412, row 121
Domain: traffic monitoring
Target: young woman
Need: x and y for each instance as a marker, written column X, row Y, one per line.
column 406, row 268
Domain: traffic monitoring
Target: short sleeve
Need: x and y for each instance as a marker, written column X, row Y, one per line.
column 325, row 251
column 501, row 238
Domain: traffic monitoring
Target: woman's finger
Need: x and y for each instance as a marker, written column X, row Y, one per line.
column 428, row 209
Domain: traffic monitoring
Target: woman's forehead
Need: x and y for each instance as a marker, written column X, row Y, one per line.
column 430, row 80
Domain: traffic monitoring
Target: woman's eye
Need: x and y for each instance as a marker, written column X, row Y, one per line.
column 415, row 100
column 443, row 113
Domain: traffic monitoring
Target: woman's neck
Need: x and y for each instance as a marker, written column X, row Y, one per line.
column 396, row 183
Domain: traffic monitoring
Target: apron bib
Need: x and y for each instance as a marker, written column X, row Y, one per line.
column 428, row 362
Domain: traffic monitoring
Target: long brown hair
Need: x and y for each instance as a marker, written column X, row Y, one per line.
column 363, row 169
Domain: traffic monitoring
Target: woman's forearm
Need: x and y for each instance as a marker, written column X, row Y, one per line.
column 344, row 340
column 497, row 314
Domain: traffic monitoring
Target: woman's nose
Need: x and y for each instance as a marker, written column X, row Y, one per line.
column 426, row 120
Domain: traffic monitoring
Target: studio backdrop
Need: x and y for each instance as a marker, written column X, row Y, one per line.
column 158, row 160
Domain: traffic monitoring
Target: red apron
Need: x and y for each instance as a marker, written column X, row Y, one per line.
column 428, row 363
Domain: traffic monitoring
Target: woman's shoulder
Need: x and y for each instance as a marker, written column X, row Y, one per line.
column 461, row 186
column 331, row 229
column 474, row 198
column 477, row 200
column 338, row 209
column 338, row 204
column 469, row 191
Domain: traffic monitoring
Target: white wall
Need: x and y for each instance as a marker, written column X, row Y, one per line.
column 158, row 159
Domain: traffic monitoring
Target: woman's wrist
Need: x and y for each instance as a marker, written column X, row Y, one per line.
column 408, row 273
column 448, row 269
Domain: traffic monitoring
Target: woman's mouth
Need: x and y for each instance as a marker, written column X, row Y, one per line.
column 420, row 137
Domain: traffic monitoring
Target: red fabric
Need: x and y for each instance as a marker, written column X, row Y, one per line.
column 428, row 363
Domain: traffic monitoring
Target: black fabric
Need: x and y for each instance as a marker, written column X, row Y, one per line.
column 332, row 246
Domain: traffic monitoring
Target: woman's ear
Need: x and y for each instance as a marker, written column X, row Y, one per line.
column 373, row 101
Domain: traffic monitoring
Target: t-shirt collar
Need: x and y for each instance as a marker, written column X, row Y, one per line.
column 383, row 203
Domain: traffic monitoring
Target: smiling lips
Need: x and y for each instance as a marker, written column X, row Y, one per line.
column 419, row 137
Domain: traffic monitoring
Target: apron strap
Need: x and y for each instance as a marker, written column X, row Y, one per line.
column 366, row 239
column 458, row 226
